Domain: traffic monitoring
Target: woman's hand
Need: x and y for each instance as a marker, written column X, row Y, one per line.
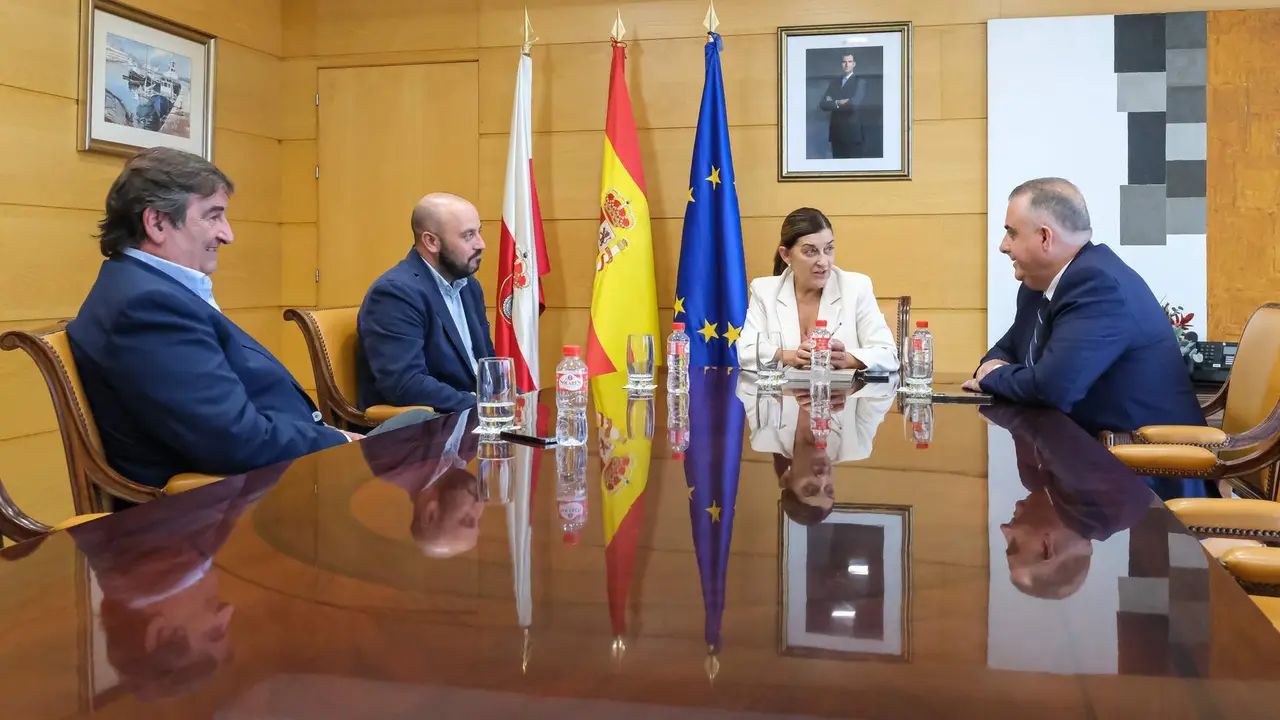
column 792, row 358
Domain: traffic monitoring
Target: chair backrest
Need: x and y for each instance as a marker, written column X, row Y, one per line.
column 1253, row 389
column 897, row 311
column 331, row 344
column 86, row 461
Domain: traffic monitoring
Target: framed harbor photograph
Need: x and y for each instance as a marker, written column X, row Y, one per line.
column 145, row 82
column 845, row 584
column 844, row 102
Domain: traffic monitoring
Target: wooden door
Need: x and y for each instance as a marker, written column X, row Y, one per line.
column 387, row 136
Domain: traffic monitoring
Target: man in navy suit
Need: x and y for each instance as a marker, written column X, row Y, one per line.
column 1089, row 337
column 422, row 325
column 173, row 384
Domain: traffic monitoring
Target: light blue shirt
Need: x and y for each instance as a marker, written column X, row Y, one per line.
column 193, row 280
column 453, row 300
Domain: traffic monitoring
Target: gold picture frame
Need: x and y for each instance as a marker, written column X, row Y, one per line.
column 834, row 121
column 144, row 82
column 843, row 638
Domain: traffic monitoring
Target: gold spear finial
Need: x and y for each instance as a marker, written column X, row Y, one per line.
column 619, row 650
column 529, row 38
column 711, row 22
column 618, row 29
column 712, row 665
column 524, row 653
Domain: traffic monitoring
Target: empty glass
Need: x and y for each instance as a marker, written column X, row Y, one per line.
column 495, row 395
column 769, row 411
column 769, row 359
column 640, row 362
column 639, row 416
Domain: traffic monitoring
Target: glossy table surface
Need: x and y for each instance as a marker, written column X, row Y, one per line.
column 954, row 560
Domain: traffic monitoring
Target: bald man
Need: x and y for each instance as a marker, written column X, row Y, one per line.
column 1089, row 337
column 422, row 325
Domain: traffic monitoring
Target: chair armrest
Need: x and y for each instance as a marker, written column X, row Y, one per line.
column 379, row 414
column 1167, row 460
column 1235, row 514
column 1259, row 565
column 78, row 520
column 188, row 481
column 1182, row 435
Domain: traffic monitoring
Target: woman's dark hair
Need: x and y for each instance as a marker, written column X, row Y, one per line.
column 801, row 222
column 161, row 178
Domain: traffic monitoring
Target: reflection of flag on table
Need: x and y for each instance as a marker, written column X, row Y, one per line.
column 624, row 299
column 711, row 466
column 532, row 418
column 711, row 289
column 624, row 473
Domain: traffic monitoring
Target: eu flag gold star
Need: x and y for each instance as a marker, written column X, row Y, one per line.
column 679, row 308
column 708, row 330
column 715, row 177
column 691, row 195
column 715, row 512
column 732, row 333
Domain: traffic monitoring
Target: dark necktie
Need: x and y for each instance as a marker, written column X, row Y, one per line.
column 1037, row 333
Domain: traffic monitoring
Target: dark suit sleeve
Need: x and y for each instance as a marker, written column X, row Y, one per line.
column 829, row 98
column 1088, row 335
column 392, row 333
column 176, row 381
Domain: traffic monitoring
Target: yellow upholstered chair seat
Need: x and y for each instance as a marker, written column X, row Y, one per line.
column 188, row 481
column 78, row 520
column 331, row 344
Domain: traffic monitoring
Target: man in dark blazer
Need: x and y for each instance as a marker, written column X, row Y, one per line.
column 173, row 384
column 1089, row 337
column 843, row 100
column 422, row 325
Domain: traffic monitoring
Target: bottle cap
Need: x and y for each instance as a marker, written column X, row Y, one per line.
column 677, row 456
column 677, row 326
column 922, row 323
column 571, row 537
column 572, row 351
column 922, row 446
column 820, row 445
column 819, row 323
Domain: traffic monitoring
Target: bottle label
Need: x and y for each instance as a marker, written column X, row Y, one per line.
column 678, row 348
column 917, row 344
column 572, row 509
column 570, row 381
column 822, row 342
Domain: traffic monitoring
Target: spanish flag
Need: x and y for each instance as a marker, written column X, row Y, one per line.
column 624, row 300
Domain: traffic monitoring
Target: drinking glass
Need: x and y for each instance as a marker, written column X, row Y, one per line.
column 495, row 395
column 769, row 359
column 769, row 411
column 639, row 416
column 640, row 362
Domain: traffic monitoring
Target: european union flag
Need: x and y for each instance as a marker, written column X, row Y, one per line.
column 711, row 467
column 711, row 290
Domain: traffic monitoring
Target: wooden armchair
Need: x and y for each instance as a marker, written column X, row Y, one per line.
column 331, row 344
column 897, row 310
column 93, row 480
column 18, row 526
column 1250, row 528
column 1250, row 405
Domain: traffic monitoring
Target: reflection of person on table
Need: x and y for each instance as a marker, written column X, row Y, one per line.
column 843, row 99
column 806, row 286
column 429, row 462
column 1076, row 495
column 804, row 468
column 165, row 625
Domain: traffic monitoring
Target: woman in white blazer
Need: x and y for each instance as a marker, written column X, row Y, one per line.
column 806, row 286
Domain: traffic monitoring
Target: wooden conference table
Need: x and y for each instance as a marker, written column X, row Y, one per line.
column 977, row 561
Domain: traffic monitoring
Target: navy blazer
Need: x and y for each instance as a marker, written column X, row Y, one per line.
column 410, row 352
column 1108, row 358
column 177, row 387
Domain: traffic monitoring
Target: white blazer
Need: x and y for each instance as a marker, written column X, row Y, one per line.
column 853, row 429
column 848, row 305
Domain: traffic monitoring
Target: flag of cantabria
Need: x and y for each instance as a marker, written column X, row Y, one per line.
column 624, row 299
column 522, row 253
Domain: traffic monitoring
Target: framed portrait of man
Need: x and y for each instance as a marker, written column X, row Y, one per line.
column 844, row 102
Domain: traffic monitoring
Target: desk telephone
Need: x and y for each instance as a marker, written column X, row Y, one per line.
column 1217, row 362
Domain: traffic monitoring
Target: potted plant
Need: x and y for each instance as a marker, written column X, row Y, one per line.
column 1187, row 338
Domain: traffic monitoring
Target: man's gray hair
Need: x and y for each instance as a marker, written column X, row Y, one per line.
column 1060, row 199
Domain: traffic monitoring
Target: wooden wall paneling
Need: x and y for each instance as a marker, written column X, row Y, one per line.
column 1048, row 8
column 253, row 164
column 341, row 27
column 964, row 71
column 298, row 99
column 253, row 23
column 264, row 324
column 299, row 185
column 23, row 388
column 298, row 264
column 249, row 269
column 250, row 100
column 34, row 470
column 40, row 39
column 51, row 261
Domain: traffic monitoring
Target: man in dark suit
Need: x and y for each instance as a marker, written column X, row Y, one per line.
column 843, row 100
column 1089, row 337
column 174, row 385
column 422, row 325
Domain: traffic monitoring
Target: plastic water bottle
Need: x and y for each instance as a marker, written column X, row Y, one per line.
column 918, row 412
column 820, row 413
column 820, row 355
column 571, row 490
column 571, row 398
column 677, row 360
column 678, row 424
column 920, row 360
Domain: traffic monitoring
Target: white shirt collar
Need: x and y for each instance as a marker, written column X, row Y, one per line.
column 194, row 280
column 1053, row 284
